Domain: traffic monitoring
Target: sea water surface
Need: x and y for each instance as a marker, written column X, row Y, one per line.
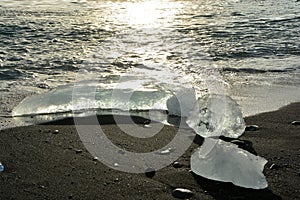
column 246, row 49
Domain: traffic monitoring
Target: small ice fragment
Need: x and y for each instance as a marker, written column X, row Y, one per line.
column 216, row 115
column 1, row 167
column 222, row 161
column 116, row 164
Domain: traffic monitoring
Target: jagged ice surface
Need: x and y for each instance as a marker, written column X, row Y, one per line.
column 215, row 115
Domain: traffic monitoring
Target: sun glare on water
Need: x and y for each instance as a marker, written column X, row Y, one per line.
column 148, row 13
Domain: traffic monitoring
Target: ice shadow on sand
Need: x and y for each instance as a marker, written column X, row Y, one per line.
column 101, row 120
column 228, row 191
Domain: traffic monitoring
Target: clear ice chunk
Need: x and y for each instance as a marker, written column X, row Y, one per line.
column 87, row 96
column 66, row 99
column 223, row 161
column 215, row 115
column 182, row 103
column 51, row 102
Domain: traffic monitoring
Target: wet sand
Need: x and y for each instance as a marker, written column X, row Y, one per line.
column 40, row 164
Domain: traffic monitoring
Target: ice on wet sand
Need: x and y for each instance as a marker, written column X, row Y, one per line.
column 215, row 115
column 210, row 116
column 182, row 103
column 223, row 161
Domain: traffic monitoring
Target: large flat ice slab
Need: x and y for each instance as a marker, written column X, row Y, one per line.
column 86, row 97
column 215, row 115
column 223, row 161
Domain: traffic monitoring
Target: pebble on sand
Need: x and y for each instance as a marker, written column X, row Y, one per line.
column 274, row 166
column 238, row 142
column 78, row 151
column 182, row 193
column 116, row 180
column 177, row 165
column 1, row 167
column 252, row 128
column 95, row 158
column 55, row 131
column 43, row 86
column 295, row 123
column 147, row 126
column 166, row 151
column 150, row 172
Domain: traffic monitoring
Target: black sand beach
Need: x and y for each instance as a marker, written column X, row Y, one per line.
column 42, row 165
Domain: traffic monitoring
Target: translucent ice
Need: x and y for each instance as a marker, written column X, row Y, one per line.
column 223, row 161
column 210, row 115
column 216, row 115
column 66, row 98
column 51, row 102
column 89, row 95
column 182, row 103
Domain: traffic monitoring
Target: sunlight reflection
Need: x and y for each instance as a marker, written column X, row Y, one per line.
column 148, row 13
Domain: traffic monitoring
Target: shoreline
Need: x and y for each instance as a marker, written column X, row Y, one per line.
column 40, row 164
column 252, row 99
column 255, row 99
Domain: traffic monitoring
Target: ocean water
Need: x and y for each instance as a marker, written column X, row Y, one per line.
column 246, row 49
